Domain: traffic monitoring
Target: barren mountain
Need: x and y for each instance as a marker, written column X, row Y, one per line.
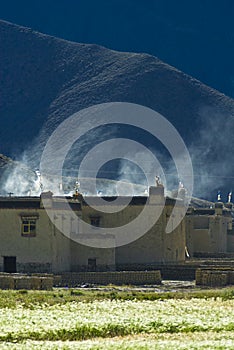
column 43, row 80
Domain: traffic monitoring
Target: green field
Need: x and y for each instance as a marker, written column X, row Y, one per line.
column 103, row 319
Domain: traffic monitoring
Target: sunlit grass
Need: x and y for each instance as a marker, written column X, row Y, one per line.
column 201, row 340
column 29, row 298
column 109, row 318
column 86, row 319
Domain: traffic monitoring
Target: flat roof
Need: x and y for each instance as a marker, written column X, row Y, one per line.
column 58, row 201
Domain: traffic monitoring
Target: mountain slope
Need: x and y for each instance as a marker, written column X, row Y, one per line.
column 48, row 79
column 44, row 80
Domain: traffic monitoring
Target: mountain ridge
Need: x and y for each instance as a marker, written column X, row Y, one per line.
column 44, row 80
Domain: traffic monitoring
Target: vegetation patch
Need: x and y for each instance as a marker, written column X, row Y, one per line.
column 39, row 317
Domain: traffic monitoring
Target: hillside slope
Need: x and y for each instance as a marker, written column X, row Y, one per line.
column 44, row 80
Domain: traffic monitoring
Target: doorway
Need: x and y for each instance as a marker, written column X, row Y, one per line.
column 92, row 264
column 9, row 264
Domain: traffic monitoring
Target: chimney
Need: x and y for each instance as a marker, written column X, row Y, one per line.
column 182, row 193
column 156, row 194
column 229, row 203
column 219, row 208
column 46, row 200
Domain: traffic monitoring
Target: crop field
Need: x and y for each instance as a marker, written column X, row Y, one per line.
column 75, row 319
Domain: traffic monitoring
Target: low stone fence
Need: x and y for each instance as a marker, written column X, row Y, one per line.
column 74, row 279
column 215, row 277
column 15, row 281
column 229, row 255
column 182, row 271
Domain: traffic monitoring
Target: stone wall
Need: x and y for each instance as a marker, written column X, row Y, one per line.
column 178, row 272
column 117, row 278
column 87, row 268
column 215, row 277
column 12, row 281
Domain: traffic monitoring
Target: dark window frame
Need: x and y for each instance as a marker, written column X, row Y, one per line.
column 95, row 221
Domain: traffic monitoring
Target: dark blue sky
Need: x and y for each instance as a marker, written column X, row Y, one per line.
column 196, row 36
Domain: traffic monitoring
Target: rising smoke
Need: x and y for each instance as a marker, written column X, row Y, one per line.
column 211, row 151
column 212, row 155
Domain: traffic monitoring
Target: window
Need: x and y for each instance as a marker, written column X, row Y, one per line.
column 95, row 221
column 28, row 227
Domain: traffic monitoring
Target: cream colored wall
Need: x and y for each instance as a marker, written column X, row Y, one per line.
column 68, row 253
column 230, row 243
column 27, row 249
column 156, row 246
column 49, row 248
column 189, row 234
column 115, row 219
column 52, row 247
column 203, row 238
column 218, row 234
column 61, row 251
column 148, row 249
column 201, row 241
column 153, row 247
column 105, row 258
column 174, row 244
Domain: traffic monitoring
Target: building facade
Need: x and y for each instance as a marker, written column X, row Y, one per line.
column 210, row 230
column 33, row 239
column 153, row 247
column 32, row 242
